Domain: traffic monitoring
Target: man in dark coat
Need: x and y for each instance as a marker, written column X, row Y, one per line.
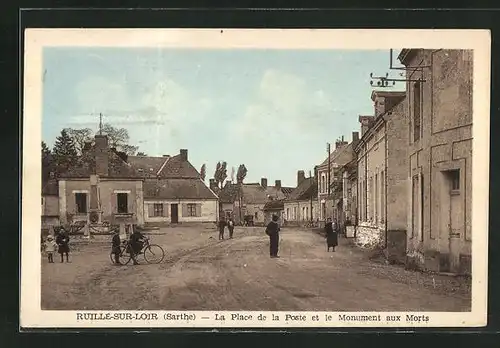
column 331, row 235
column 62, row 241
column 222, row 226
column 273, row 231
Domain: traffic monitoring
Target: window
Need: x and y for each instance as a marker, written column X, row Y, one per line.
column 365, row 202
column 306, row 217
column 122, row 202
column 372, row 197
column 256, row 215
column 295, row 213
column 288, row 213
column 416, row 111
column 81, row 203
column 157, row 209
column 312, row 212
column 191, row 209
column 303, row 213
column 455, row 179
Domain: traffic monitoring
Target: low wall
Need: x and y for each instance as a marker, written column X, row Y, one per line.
column 370, row 237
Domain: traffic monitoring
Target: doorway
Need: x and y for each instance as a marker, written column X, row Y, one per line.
column 174, row 213
column 454, row 217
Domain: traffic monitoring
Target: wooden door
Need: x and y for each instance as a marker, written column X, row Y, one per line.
column 174, row 213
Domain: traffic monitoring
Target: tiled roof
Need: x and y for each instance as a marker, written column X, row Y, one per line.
column 307, row 189
column 147, row 165
column 340, row 155
column 176, row 188
column 117, row 167
column 50, row 188
column 176, row 167
column 274, row 205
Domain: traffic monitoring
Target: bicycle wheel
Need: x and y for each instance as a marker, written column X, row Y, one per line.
column 124, row 255
column 153, row 253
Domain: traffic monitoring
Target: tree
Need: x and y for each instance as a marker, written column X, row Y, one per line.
column 140, row 153
column 203, row 172
column 80, row 137
column 220, row 173
column 64, row 152
column 241, row 174
column 47, row 162
column 119, row 138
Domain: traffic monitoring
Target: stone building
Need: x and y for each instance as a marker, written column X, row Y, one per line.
column 382, row 176
column 302, row 204
column 176, row 193
column 439, row 111
column 330, row 185
column 349, row 176
column 50, row 205
column 101, row 187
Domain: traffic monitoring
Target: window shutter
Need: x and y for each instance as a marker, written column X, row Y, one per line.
column 184, row 210
column 198, row 210
column 166, row 207
column 114, row 203
column 151, row 209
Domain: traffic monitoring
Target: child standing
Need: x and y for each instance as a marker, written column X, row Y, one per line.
column 115, row 248
column 50, row 248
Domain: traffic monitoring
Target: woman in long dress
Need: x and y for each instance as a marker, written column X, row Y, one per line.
column 331, row 235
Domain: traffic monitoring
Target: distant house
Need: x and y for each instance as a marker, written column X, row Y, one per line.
column 302, row 204
column 50, row 204
column 242, row 200
column 173, row 191
column 101, row 187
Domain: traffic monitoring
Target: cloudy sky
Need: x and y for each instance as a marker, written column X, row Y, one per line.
column 273, row 110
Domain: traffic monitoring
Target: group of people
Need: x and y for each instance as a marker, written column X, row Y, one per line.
column 59, row 244
column 222, row 227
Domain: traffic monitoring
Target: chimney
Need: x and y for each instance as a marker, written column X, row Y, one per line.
column 355, row 136
column 300, row 177
column 277, row 184
column 184, row 154
column 101, row 155
column 365, row 123
column 213, row 184
column 263, row 182
column 315, row 172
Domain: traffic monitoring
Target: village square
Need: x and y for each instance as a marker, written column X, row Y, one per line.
column 397, row 189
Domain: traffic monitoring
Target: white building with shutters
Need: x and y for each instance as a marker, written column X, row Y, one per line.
column 174, row 192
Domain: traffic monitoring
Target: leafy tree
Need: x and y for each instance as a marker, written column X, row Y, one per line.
column 47, row 162
column 80, row 137
column 140, row 153
column 203, row 172
column 241, row 174
column 64, row 152
column 220, row 173
column 119, row 138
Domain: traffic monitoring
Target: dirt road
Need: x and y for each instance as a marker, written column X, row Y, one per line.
column 203, row 273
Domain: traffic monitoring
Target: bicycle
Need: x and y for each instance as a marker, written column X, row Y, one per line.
column 153, row 253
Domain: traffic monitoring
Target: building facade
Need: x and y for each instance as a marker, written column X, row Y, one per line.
column 302, row 204
column 382, row 176
column 439, row 111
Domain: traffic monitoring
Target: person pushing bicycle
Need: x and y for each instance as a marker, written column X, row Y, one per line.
column 136, row 243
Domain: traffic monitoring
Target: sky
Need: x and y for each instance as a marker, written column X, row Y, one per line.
column 272, row 110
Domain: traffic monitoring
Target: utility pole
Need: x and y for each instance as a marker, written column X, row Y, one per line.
column 329, row 167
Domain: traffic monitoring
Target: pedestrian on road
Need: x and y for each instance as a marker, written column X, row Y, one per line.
column 230, row 227
column 222, row 226
column 273, row 231
column 50, row 248
column 115, row 247
column 331, row 235
column 62, row 241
